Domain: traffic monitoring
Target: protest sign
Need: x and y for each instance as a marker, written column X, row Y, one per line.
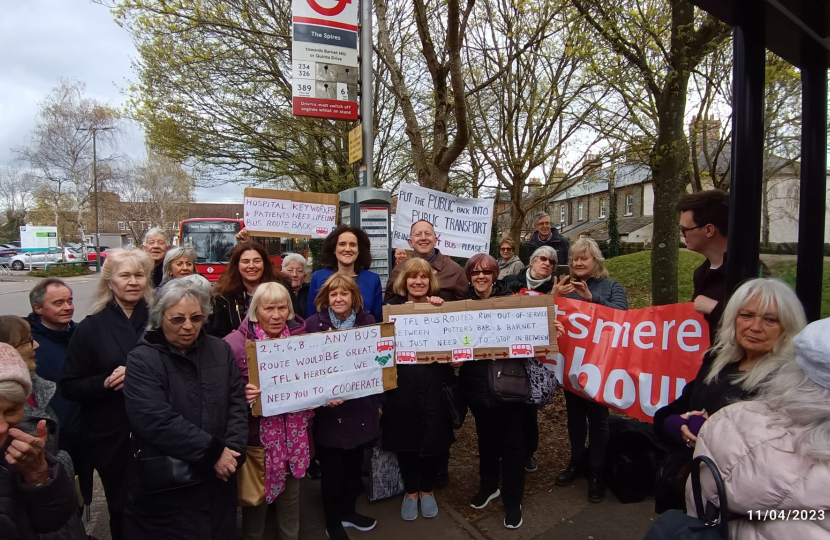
column 271, row 212
column 306, row 371
column 512, row 326
column 634, row 361
column 462, row 226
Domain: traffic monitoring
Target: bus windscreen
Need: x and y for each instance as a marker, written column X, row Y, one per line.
column 212, row 240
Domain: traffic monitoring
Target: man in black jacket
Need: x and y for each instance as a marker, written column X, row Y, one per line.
column 545, row 235
column 704, row 222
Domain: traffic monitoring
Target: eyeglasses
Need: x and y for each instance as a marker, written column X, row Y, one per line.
column 30, row 341
column 482, row 272
column 544, row 224
column 180, row 319
column 684, row 230
column 543, row 259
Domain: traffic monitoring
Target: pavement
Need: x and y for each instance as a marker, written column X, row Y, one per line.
column 14, row 293
column 558, row 514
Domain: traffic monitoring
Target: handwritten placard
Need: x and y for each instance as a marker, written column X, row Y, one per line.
column 302, row 372
column 462, row 225
column 270, row 212
column 512, row 326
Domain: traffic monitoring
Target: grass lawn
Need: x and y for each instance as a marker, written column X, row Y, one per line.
column 634, row 273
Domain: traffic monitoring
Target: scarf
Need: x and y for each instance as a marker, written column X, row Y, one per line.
column 285, row 439
column 536, row 283
column 339, row 324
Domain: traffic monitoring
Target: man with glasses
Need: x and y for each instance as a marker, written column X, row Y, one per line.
column 546, row 235
column 155, row 243
column 704, row 223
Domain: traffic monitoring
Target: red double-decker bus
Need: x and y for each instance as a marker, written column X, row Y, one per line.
column 214, row 239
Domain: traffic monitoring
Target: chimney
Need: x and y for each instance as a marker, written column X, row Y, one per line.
column 705, row 131
column 593, row 162
column 534, row 185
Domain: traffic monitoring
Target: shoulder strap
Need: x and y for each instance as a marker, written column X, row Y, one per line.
column 721, row 520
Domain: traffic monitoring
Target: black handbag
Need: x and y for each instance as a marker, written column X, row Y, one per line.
column 455, row 403
column 711, row 523
column 158, row 473
column 508, row 380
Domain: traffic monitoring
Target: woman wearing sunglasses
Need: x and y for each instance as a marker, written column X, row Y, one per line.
column 499, row 426
column 185, row 401
column 538, row 278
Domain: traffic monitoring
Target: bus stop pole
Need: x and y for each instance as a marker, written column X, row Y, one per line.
column 366, row 106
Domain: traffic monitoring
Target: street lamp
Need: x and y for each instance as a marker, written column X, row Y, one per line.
column 94, row 131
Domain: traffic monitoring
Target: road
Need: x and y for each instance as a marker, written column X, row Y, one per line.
column 14, row 295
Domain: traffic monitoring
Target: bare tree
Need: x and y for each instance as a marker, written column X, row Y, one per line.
column 17, row 189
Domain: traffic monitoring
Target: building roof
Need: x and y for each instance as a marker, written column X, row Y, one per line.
column 625, row 226
column 580, row 227
column 627, row 174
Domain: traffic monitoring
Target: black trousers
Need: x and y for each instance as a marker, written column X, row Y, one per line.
column 418, row 471
column 501, row 446
column 587, row 418
column 531, row 420
column 339, row 477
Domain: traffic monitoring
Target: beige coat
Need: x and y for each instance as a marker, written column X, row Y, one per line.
column 762, row 471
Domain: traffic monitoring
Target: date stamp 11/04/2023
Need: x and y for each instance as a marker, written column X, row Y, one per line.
column 786, row 515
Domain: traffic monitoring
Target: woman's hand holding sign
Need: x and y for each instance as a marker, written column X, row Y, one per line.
column 251, row 393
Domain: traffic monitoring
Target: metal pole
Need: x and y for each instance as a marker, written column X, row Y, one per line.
column 746, row 182
column 811, row 210
column 95, row 190
column 366, row 106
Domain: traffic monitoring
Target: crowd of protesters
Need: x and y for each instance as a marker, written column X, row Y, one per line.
column 152, row 391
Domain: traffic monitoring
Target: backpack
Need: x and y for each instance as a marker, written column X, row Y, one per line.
column 633, row 457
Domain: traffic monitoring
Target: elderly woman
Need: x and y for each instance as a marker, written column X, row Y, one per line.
column 93, row 374
column 500, row 426
column 416, row 422
column 342, row 428
column 774, row 452
column 16, row 332
column 186, row 407
column 249, row 266
column 293, row 265
column 285, row 437
column 178, row 262
column 347, row 251
column 37, row 494
column 510, row 263
column 588, row 283
column 754, row 340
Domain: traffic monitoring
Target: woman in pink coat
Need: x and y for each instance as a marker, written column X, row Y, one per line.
column 774, row 452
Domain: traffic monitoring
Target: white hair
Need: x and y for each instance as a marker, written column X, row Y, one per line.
column 270, row 293
column 547, row 251
column 172, row 255
column 772, row 294
column 293, row 258
column 155, row 231
column 192, row 286
column 115, row 259
column 800, row 402
column 13, row 392
column 588, row 246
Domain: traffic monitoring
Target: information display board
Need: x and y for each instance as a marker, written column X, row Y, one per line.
column 375, row 221
column 37, row 238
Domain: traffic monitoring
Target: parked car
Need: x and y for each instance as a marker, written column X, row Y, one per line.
column 10, row 247
column 91, row 256
column 35, row 259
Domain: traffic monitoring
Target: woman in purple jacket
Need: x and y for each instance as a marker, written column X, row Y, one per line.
column 285, row 437
column 343, row 428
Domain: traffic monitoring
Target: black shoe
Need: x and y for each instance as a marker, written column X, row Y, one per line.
column 360, row 522
column 441, row 480
column 513, row 517
column 313, row 470
column 336, row 533
column 569, row 475
column 530, row 465
column 483, row 498
column 596, row 488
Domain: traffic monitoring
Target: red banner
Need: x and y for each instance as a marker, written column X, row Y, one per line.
column 634, row 361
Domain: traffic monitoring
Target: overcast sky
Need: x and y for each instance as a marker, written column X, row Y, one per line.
column 42, row 41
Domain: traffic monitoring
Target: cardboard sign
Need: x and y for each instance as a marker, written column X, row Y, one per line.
column 294, row 214
column 634, row 361
column 462, row 226
column 511, row 326
column 302, row 372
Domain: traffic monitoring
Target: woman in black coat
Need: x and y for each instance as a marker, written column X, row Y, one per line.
column 416, row 422
column 93, row 374
column 185, row 401
column 342, row 429
column 248, row 267
column 500, row 426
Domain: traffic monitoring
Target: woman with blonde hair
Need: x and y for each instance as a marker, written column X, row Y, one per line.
column 179, row 261
column 416, row 421
column 588, row 283
column 93, row 374
column 754, row 340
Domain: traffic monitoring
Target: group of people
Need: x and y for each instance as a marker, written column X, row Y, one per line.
column 152, row 390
